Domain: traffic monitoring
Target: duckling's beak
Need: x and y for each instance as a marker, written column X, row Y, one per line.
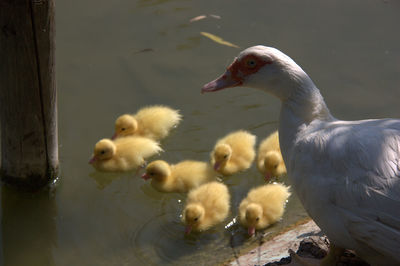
column 93, row 160
column 267, row 176
column 114, row 136
column 222, row 82
column 217, row 165
column 251, row 231
column 145, row 176
column 188, row 229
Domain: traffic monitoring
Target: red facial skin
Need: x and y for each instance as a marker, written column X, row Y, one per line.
column 236, row 73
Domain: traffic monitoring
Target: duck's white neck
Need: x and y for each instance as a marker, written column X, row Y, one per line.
column 303, row 106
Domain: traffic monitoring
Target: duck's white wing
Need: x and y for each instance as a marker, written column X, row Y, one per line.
column 364, row 157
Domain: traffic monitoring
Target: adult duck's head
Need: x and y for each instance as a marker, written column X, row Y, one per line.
column 264, row 68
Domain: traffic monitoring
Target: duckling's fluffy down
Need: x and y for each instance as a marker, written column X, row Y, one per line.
column 269, row 149
column 180, row 177
column 271, row 198
column 242, row 144
column 129, row 153
column 154, row 122
column 214, row 199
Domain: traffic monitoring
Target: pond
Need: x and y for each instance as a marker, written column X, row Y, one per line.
column 114, row 57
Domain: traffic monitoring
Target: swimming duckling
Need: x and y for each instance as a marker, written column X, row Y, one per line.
column 233, row 153
column 123, row 154
column 263, row 206
column 269, row 160
column 153, row 122
column 180, row 177
column 206, row 206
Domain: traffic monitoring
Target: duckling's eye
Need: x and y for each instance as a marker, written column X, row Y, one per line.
column 275, row 166
column 258, row 219
column 123, row 129
column 225, row 156
column 103, row 151
column 152, row 173
column 251, row 63
column 196, row 219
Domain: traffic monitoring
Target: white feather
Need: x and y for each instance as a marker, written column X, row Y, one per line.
column 346, row 173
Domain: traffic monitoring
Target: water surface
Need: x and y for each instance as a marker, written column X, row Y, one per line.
column 114, row 57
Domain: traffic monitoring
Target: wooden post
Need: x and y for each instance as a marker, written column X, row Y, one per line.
column 28, row 104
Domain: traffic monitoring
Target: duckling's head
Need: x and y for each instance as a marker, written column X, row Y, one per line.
column 222, row 154
column 103, row 150
column 158, row 170
column 271, row 163
column 192, row 216
column 125, row 125
column 253, row 215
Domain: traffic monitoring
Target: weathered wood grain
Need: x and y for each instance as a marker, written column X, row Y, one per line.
column 28, row 99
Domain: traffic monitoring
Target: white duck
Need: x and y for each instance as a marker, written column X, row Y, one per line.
column 346, row 173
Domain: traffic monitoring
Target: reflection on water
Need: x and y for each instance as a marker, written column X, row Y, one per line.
column 114, row 57
column 28, row 228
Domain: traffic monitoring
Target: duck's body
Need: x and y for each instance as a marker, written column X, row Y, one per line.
column 263, row 206
column 153, row 122
column 123, row 154
column 180, row 177
column 269, row 159
column 234, row 153
column 346, row 173
column 206, row 206
column 352, row 183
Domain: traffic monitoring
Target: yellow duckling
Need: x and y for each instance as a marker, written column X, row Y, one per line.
column 123, row 154
column 263, row 206
column 180, row 177
column 233, row 153
column 206, row 206
column 269, row 160
column 153, row 122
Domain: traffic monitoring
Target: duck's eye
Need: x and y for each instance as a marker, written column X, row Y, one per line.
column 103, row 151
column 258, row 219
column 196, row 219
column 251, row 63
column 152, row 173
column 123, row 129
column 275, row 166
column 225, row 156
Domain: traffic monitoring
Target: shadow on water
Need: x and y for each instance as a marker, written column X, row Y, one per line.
column 28, row 228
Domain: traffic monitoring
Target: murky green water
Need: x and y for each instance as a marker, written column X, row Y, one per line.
column 351, row 49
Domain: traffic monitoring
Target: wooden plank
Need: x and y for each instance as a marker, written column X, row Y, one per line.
column 28, row 93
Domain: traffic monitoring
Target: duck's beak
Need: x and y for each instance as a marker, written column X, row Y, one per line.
column 222, row 82
column 251, row 231
column 93, row 160
column 217, row 165
column 188, row 229
column 145, row 176
column 267, row 176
